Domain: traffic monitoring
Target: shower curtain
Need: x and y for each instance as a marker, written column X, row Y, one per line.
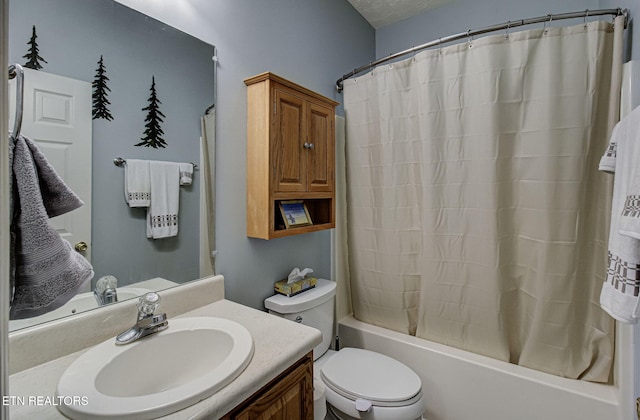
column 208, row 193
column 477, row 216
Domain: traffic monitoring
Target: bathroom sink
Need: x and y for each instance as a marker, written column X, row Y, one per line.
column 165, row 372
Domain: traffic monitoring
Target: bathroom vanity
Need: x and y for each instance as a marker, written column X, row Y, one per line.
column 289, row 396
column 278, row 377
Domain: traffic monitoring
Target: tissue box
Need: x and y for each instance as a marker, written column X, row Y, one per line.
column 296, row 287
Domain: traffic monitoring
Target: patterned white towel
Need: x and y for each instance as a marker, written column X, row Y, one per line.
column 620, row 294
column 162, row 215
column 137, row 185
column 186, row 173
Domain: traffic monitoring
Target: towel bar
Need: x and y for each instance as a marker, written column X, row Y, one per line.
column 120, row 162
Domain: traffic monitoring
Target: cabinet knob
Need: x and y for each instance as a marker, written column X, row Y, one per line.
column 308, row 145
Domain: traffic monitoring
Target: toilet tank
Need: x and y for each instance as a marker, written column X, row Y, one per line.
column 314, row 308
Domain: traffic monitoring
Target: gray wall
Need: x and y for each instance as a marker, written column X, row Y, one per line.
column 632, row 40
column 632, row 45
column 72, row 34
column 311, row 42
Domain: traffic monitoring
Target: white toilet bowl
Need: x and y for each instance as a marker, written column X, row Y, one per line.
column 361, row 384
column 358, row 384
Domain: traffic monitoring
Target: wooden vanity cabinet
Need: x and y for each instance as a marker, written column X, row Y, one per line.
column 287, row 397
column 290, row 155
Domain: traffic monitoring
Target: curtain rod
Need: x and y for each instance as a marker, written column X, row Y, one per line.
column 507, row 25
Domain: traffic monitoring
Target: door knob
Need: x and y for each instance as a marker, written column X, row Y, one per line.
column 81, row 246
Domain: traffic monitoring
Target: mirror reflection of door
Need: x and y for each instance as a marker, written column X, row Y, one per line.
column 57, row 116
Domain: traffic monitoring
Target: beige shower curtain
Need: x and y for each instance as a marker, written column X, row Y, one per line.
column 477, row 216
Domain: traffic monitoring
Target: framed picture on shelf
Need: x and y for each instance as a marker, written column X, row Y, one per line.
column 295, row 213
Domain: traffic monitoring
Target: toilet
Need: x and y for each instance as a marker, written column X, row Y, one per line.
column 355, row 383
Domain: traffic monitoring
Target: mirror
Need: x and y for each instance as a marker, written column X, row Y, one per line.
column 69, row 38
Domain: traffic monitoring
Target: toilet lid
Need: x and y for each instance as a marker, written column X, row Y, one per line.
column 357, row 373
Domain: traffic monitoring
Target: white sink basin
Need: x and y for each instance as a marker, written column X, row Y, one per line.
column 162, row 373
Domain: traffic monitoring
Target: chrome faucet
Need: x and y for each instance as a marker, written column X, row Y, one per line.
column 105, row 290
column 148, row 321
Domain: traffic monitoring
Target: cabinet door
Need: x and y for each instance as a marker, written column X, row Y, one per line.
column 321, row 148
column 288, row 150
column 291, row 398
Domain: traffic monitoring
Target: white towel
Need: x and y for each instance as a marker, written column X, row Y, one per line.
column 162, row 215
column 620, row 295
column 137, row 186
column 186, row 173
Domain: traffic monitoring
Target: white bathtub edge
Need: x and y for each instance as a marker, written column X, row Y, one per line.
column 556, row 396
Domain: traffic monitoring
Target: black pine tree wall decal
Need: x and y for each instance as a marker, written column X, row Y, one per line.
column 32, row 56
column 100, row 93
column 153, row 131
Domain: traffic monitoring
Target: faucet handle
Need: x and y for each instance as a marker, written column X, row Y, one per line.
column 105, row 283
column 147, row 304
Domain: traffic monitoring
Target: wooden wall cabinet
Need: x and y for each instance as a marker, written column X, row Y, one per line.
column 287, row 397
column 290, row 155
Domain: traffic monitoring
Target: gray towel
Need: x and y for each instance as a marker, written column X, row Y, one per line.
column 47, row 271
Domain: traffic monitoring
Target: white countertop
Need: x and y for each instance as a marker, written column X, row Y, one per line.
column 278, row 344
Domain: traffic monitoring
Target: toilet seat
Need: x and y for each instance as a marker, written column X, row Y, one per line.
column 358, row 374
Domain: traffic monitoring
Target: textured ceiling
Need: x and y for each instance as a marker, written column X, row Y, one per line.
column 385, row 12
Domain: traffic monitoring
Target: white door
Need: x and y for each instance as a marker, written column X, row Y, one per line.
column 57, row 116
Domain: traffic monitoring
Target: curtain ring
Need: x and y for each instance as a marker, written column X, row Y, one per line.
column 469, row 38
column 586, row 15
column 546, row 30
column 506, row 32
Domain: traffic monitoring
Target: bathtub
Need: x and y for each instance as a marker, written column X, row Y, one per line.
column 459, row 385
